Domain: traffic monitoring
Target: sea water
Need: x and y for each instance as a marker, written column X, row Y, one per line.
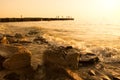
column 102, row 39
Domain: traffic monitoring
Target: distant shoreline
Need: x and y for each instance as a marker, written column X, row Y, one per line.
column 32, row 19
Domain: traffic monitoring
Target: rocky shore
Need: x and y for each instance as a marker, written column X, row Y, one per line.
column 26, row 55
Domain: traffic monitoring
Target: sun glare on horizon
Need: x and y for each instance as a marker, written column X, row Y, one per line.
column 107, row 4
column 83, row 9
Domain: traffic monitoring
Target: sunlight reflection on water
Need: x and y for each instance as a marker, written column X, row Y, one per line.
column 83, row 36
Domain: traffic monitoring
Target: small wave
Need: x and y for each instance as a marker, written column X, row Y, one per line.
column 107, row 54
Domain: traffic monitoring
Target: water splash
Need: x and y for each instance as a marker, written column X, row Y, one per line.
column 107, row 54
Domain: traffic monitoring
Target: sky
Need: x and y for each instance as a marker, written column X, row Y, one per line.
column 108, row 10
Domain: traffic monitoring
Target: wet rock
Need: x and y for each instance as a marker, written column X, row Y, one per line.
column 12, row 76
column 24, row 42
column 21, row 59
column 18, row 38
column 40, row 73
column 2, row 59
column 40, row 40
column 4, row 40
column 88, row 59
column 7, row 50
column 1, row 36
column 105, row 77
column 8, row 35
column 12, row 40
column 69, row 47
column 74, row 75
column 18, row 35
column 60, row 56
column 116, row 77
column 33, row 32
column 100, row 66
column 7, row 38
column 92, row 72
column 26, row 73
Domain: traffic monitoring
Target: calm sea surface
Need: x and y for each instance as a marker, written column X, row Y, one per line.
column 99, row 38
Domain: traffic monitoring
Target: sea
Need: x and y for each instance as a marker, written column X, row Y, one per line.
column 100, row 38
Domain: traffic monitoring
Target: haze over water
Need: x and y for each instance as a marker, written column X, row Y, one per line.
column 102, row 39
column 76, row 33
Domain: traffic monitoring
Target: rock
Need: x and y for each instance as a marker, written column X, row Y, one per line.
column 21, row 59
column 12, row 76
column 20, row 41
column 18, row 35
column 116, row 77
column 24, row 41
column 4, row 40
column 2, row 59
column 40, row 40
column 18, row 38
column 74, row 75
column 62, row 57
column 92, row 73
column 26, row 73
column 88, row 59
column 7, row 50
column 1, row 36
column 12, row 40
column 69, row 47
column 105, row 77
column 33, row 32
column 8, row 35
column 40, row 73
column 7, row 38
column 100, row 66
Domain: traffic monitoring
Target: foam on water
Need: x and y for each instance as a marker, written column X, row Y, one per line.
column 102, row 39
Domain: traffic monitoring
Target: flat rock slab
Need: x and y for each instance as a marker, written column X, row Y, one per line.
column 88, row 59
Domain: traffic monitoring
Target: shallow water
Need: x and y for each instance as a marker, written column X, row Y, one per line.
column 99, row 38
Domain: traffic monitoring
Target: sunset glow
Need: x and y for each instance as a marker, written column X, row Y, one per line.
column 108, row 4
column 84, row 9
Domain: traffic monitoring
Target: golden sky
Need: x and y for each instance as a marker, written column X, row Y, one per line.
column 84, row 9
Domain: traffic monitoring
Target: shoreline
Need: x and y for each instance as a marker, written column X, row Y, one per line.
column 52, row 62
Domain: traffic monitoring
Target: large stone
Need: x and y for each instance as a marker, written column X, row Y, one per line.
column 62, row 57
column 19, row 59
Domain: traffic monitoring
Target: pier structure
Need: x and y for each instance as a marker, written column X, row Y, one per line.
column 33, row 19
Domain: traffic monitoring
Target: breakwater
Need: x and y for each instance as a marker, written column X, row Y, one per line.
column 32, row 19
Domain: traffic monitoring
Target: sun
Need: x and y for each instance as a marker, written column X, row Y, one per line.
column 107, row 4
